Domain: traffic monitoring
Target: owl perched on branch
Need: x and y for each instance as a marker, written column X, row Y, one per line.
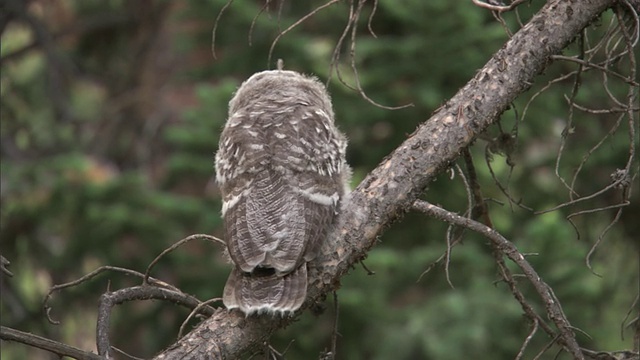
column 282, row 172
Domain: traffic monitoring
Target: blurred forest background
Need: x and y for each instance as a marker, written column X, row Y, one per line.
column 111, row 112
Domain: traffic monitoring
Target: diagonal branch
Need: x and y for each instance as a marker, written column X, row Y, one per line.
column 390, row 190
column 506, row 248
column 55, row 347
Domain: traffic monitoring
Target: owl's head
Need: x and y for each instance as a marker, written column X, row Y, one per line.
column 280, row 89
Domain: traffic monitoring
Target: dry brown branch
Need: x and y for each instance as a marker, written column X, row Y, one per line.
column 373, row 13
column 614, row 184
column 451, row 240
column 589, row 64
column 91, row 275
column 391, row 189
column 352, row 55
column 215, row 27
column 4, row 266
column 534, row 328
column 294, row 25
column 55, row 347
column 506, row 248
column 512, row 201
column 255, row 20
column 481, row 211
column 498, row 8
column 144, row 292
column 194, row 312
column 128, row 356
column 633, row 308
column 337, row 50
column 352, row 28
column 177, row 245
column 151, row 289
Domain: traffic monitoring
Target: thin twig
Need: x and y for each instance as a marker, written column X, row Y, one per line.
column 546, row 347
column 552, row 305
column 573, row 202
column 120, row 351
column 631, row 309
column 589, row 64
column 527, row 340
column 354, row 68
column 373, row 12
column 215, row 27
column 91, row 275
column 591, row 211
column 4, row 265
column 364, row 266
column 498, row 8
column 144, row 292
column 334, row 335
column 177, row 245
column 193, row 312
column 39, row 342
column 294, row 25
column 337, row 50
column 255, row 19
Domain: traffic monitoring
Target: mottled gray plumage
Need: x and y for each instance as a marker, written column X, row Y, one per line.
column 282, row 172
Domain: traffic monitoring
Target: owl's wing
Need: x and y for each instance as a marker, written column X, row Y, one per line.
column 280, row 177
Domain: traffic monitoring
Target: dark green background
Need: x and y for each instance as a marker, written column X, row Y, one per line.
column 108, row 139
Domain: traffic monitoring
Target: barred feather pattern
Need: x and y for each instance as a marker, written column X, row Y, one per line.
column 282, row 172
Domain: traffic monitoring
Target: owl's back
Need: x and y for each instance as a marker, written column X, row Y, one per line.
column 280, row 167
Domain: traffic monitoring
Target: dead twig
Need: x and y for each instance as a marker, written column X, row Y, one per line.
column 294, row 25
column 144, row 292
column 39, row 342
column 177, row 245
column 91, row 275
column 496, row 7
column 552, row 305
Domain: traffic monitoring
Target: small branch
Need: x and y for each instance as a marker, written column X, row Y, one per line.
column 215, row 28
column 295, row 24
column 145, row 292
column 635, row 322
column 589, row 64
column 498, row 8
column 614, row 184
column 4, row 265
column 334, row 334
column 552, row 305
column 369, row 271
column 91, row 275
column 195, row 311
column 352, row 55
column 39, row 342
column 177, row 245
column 534, row 328
column 255, row 20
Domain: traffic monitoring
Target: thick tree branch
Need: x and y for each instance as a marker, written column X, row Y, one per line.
column 390, row 190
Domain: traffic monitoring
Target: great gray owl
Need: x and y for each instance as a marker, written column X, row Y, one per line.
column 282, row 172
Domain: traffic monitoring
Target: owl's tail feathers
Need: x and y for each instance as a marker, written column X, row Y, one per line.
column 265, row 291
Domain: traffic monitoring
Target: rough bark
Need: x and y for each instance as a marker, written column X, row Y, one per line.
column 390, row 190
